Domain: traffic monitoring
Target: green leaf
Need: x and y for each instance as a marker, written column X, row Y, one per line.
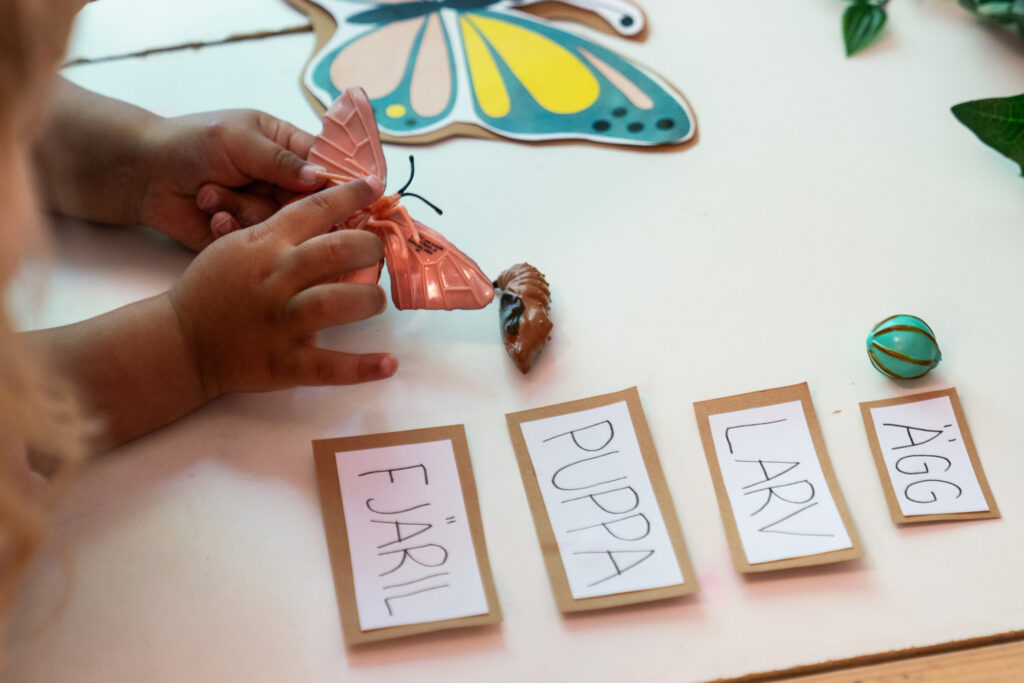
column 1002, row 11
column 862, row 22
column 998, row 11
column 998, row 122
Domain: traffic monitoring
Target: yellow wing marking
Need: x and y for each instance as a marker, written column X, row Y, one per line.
column 487, row 84
column 555, row 77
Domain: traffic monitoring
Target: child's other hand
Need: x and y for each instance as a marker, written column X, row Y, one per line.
column 216, row 172
column 250, row 305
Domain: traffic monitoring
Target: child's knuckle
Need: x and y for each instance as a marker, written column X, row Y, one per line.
column 337, row 250
column 284, row 159
column 319, row 307
column 216, row 129
column 320, row 202
column 323, row 371
column 272, row 319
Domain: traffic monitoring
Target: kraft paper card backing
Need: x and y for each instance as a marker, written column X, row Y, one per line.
column 890, row 494
column 324, row 451
column 542, row 523
column 758, row 399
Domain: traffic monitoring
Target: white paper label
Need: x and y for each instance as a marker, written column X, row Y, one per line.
column 610, row 532
column 412, row 552
column 926, row 458
column 779, row 496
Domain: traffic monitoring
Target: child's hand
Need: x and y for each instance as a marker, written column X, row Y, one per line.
column 250, row 305
column 242, row 317
column 212, row 173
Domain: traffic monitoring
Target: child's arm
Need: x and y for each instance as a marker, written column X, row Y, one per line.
column 242, row 317
column 109, row 161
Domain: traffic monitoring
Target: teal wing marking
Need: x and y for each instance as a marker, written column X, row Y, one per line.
column 612, row 118
column 412, row 122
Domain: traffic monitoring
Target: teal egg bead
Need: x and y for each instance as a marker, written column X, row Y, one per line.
column 903, row 347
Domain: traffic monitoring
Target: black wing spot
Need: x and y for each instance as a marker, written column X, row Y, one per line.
column 601, row 125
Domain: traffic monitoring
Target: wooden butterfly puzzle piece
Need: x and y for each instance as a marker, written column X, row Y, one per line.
column 491, row 68
column 523, row 313
column 426, row 270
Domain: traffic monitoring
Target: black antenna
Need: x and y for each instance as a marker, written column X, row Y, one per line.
column 412, row 174
column 402, row 192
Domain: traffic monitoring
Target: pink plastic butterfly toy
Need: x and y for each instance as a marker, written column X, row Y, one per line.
column 427, row 271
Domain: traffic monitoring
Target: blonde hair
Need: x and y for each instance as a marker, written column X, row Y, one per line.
column 39, row 419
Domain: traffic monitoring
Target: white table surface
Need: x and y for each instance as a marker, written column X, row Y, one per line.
column 823, row 195
column 120, row 28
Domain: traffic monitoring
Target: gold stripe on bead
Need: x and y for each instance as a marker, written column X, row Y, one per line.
column 900, row 356
column 881, row 368
column 906, row 328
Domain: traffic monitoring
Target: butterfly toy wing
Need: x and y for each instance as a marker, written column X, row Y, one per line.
column 347, row 150
column 349, row 144
column 427, row 271
column 434, row 274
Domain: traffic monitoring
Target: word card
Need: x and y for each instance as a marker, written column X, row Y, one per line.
column 776, row 490
column 926, row 458
column 600, row 503
column 404, row 533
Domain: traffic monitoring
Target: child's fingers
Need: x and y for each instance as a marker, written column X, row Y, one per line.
column 271, row 192
column 327, row 257
column 222, row 222
column 286, row 135
column 261, row 158
column 318, row 213
column 247, row 209
column 339, row 303
column 313, row 366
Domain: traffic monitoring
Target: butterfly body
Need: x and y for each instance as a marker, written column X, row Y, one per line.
column 427, row 271
column 443, row 67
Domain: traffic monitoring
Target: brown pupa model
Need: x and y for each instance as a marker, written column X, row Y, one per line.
column 523, row 313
